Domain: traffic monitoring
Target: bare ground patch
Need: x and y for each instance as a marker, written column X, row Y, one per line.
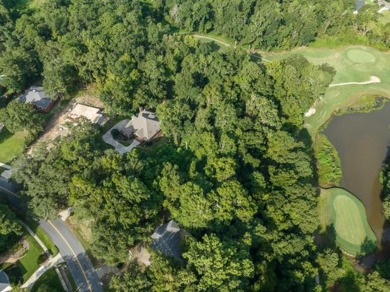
column 56, row 126
column 14, row 257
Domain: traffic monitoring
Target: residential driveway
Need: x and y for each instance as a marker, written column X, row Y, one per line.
column 107, row 137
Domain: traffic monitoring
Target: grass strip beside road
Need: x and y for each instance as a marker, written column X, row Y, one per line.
column 46, row 241
column 42, row 235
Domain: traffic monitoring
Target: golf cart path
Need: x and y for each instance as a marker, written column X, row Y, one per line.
column 373, row 79
column 211, row 39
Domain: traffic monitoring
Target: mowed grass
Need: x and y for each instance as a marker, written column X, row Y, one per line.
column 28, row 264
column 22, row 270
column 352, row 64
column 11, row 146
column 347, row 215
column 34, row 226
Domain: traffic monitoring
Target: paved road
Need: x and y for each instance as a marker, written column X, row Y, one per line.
column 9, row 191
column 74, row 255
column 70, row 248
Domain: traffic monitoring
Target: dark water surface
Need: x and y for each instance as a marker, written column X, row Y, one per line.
column 362, row 141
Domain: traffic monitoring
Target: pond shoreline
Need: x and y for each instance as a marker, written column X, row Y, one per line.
column 361, row 137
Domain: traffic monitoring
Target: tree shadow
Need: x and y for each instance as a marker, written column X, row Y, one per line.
column 326, row 238
column 4, row 135
column 255, row 57
column 15, row 273
column 366, row 257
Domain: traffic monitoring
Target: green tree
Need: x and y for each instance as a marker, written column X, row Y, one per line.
column 10, row 228
column 220, row 265
column 18, row 116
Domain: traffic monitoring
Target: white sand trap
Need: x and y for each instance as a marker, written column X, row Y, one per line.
column 373, row 79
column 310, row 112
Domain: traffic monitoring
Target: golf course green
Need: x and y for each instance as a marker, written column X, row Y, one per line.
column 353, row 64
column 346, row 214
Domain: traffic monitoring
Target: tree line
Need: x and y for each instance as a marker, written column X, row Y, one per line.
column 270, row 24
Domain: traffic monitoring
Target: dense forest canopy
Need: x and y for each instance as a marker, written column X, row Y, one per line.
column 236, row 168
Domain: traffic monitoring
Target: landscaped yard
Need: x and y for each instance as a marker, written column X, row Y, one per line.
column 11, row 146
column 21, row 271
column 347, row 215
column 29, row 263
column 49, row 281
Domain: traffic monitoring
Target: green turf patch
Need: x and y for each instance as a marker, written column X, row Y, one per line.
column 29, row 263
column 22, row 270
column 360, row 56
column 347, row 215
column 346, row 71
column 11, row 146
column 49, row 281
column 42, row 235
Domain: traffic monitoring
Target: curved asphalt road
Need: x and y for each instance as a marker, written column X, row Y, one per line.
column 71, row 250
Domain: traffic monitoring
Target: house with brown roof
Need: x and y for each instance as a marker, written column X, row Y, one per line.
column 144, row 127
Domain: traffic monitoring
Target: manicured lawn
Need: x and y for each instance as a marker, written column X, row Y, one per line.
column 49, row 281
column 352, row 64
column 11, row 146
column 46, row 241
column 42, row 236
column 21, row 271
column 347, row 215
column 29, row 263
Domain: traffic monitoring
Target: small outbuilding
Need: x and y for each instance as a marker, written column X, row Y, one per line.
column 93, row 114
column 36, row 96
column 167, row 239
column 4, row 282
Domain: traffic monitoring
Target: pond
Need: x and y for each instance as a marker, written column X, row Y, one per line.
column 362, row 141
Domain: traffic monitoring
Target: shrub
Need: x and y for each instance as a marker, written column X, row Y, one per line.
column 328, row 162
column 115, row 133
column 42, row 258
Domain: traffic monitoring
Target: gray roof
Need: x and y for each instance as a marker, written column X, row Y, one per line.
column 4, row 281
column 167, row 238
column 36, row 96
column 145, row 126
column 359, row 4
